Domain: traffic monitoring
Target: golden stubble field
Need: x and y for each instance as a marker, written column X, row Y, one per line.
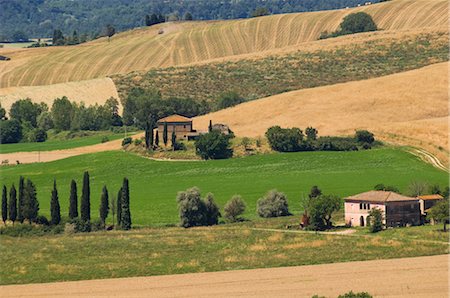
column 409, row 108
column 191, row 42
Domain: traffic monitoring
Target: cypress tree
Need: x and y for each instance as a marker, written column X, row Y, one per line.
column 13, row 204
column 125, row 214
column 55, row 209
column 210, row 126
column 20, row 202
column 73, row 200
column 31, row 204
column 156, row 139
column 165, row 134
column 4, row 204
column 104, row 205
column 119, row 207
column 85, row 208
column 147, row 135
column 174, row 139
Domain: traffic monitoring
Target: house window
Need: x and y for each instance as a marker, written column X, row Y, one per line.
column 184, row 126
column 360, row 206
column 368, row 206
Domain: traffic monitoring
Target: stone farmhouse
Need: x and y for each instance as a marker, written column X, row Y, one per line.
column 398, row 210
column 181, row 125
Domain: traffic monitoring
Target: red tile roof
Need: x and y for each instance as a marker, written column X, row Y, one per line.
column 379, row 196
column 430, row 197
column 175, row 118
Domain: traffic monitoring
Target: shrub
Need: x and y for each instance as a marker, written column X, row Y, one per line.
column 137, row 142
column 127, row 141
column 375, row 220
column 355, row 295
column 105, row 139
column 213, row 145
column 234, row 208
column 10, row 131
column 20, row 230
column 42, row 220
column 212, row 210
column 357, row 23
column 335, row 144
column 80, row 225
column 191, row 208
column 364, row 136
column 285, row 139
column 274, row 204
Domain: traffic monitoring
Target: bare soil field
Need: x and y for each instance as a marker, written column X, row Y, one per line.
column 409, row 108
column 409, row 277
column 190, row 42
column 90, row 91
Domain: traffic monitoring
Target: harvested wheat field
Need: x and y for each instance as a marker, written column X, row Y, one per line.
column 409, row 277
column 90, row 91
column 409, row 108
column 190, row 42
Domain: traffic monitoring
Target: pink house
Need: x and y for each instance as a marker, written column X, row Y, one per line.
column 398, row 210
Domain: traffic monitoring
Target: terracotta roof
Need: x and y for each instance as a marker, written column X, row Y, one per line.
column 379, row 196
column 175, row 118
column 430, row 197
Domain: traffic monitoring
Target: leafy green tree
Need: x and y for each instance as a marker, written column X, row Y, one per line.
column 2, row 113
column 357, row 22
column 315, row 192
column 286, row 139
column 435, row 189
column 214, row 145
column 119, row 207
column 10, row 131
column 4, row 204
column 375, row 220
column 229, row 99
column 417, row 188
column 382, row 187
column 191, row 208
column 58, row 38
column 24, row 110
column 234, row 208
column 44, row 121
column 212, row 210
column 21, row 200
column 55, row 208
column 12, row 204
column 364, row 136
column 104, row 205
column 273, row 204
column 73, row 200
column 31, row 204
column 62, row 112
column 188, row 16
column 165, row 134
column 440, row 213
column 321, row 211
column 85, row 208
column 125, row 213
column 311, row 133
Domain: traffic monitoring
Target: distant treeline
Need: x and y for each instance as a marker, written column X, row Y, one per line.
column 38, row 18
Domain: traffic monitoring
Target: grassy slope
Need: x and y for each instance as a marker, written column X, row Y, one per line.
column 59, row 144
column 174, row 250
column 191, row 42
column 154, row 184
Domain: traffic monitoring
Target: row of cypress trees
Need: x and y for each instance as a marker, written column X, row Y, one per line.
column 25, row 205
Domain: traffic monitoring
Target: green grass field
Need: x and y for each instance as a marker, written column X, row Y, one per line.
column 154, row 184
column 59, row 143
column 158, row 251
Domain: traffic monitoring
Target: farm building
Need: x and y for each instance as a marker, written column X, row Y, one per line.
column 426, row 202
column 181, row 125
column 398, row 210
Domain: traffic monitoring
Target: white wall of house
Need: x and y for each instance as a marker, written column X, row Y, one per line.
column 356, row 213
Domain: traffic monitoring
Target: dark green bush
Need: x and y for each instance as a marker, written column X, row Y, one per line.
column 127, row 141
column 21, row 230
column 10, row 131
column 234, row 208
column 355, row 295
column 274, row 204
column 364, row 136
column 42, row 220
column 214, row 145
column 80, row 226
column 286, row 139
column 105, row 139
column 195, row 211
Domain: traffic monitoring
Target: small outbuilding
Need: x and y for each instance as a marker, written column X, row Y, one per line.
column 398, row 210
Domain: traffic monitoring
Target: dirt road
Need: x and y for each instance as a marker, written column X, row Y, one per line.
column 409, row 277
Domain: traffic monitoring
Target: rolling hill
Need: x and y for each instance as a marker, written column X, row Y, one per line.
column 192, row 42
column 409, row 108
